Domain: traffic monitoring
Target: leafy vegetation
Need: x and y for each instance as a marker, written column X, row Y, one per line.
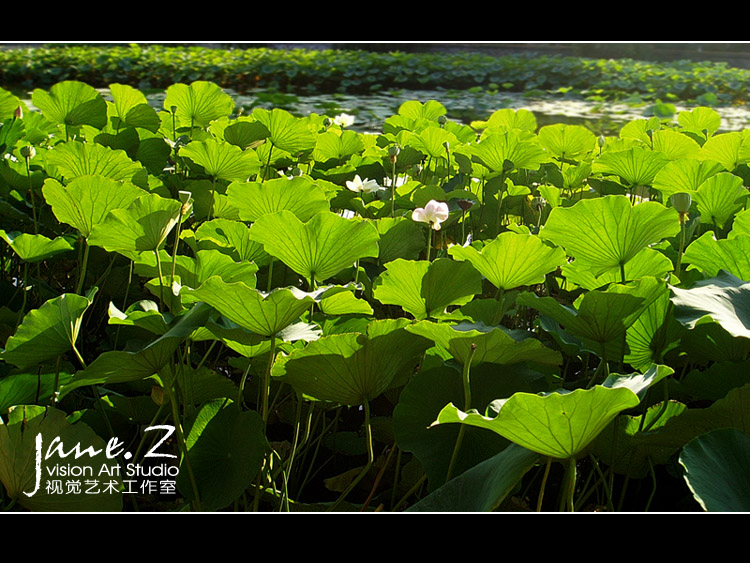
column 440, row 316
column 353, row 71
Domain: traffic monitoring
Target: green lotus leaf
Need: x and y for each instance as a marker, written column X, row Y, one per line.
column 231, row 238
column 684, row 176
column 654, row 333
column 716, row 470
column 18, row 454
column 675, row 145
column 226, row 448
column 724, row 298
column 337, row 145
column 601, row 317
column 432, row 140
column 414, row 109
column 640, row 129
column 193, row 271
column 699, row 120
column 85, row 201
column 286, row 132
column 32, row 387
column 637, row 166
column 199, row 103
column 491, row 344
column 319, row 248
column 143, row 314
column 608, row 232
column 567, row 141
column 47, row 332
column 425, row 289
column 352, row 368
column 648, row 262
column 35, row 248
column 262, row 313
column 132, row 108
column 9, row 103
column 711, row 256
column 483, row 487
column 244, row 134
column 155, row 358
column 400, row 237
column 512, row 260
column 508, row 118
column 71, row 103
column 720, row 197
column 300, row 195
column 74, row 158
column 740, row 224
column 142, row 226
column 726, row 149
column 497, row 148
column 558, row 424
column 222, row 160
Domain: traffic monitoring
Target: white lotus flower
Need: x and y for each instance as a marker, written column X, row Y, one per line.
column 434, row 213
column 363, row 186
column 343, row 120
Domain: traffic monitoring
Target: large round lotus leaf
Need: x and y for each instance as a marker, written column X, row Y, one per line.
column 512, row 259
column 716, row 470
column 118, row 366
column 222, row 160
column 648, row 262
column 726, row 149
column 493, row 344
column 142, row 226
column 711, row 256
column 300, row 195
column 429, row 391
column 720, row 197
column 558, row 424
column 226, row 448
column 724, row 298
column 319, row 248
column 637, row 166
column 286, row 132
column 608, row 232
column 509, row 118
column 567, row 141
column 199, row 103
column 601, row 317
column 483, row 487
column 132, row 108
column 231, row 238
column 432, row 141
column 35, row 248
column 400, row 237
column 425, row 289
column 414, row 109
column 262, row 313
column 337, row 145
column 86, row 200
column 352, row 368
column 9, row 103
column 675, row 145
column 71, row 103
column 684, row 175
column 702, row 120
column 74, row 158
column 18, row 457
column 496, row 149
column 47, row 332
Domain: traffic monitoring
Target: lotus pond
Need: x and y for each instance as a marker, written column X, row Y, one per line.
column 207, row 309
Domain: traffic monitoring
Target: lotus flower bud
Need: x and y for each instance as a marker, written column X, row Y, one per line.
column 682, row 202
column 158, row 395
column 18, row 114
column 27, row 151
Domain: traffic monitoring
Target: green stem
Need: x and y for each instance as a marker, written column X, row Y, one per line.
column 544, row 485
column 266, row 389
column 678, row 267
column 569, row 485
column 84, row 266
column 31, row 193
column 161, row 278
column 183, row 445
column 429, row 244
column 366, row 468
column 466, row 379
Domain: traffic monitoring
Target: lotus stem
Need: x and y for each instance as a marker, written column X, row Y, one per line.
column 368, row 465
column 569, row 485
column 544, row 484
column 84, row 266
column 467, row 405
